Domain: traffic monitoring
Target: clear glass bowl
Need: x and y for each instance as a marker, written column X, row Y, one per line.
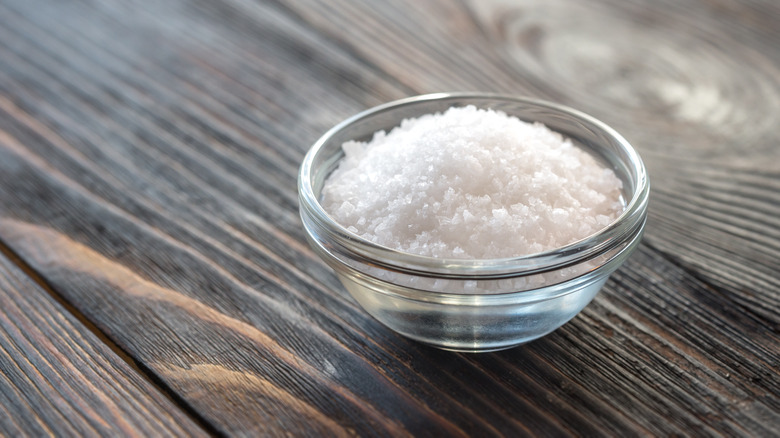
column 474, row 305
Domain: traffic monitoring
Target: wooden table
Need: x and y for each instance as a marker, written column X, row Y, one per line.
column 155, row 280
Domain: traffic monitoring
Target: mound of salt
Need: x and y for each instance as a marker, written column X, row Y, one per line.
column 471, row 183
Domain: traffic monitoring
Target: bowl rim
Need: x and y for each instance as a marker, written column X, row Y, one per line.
column 625, row 227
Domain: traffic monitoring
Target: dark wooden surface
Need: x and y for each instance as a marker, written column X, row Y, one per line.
column 59, row 378
column 155, row 276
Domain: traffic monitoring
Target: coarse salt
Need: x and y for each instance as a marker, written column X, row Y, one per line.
column 471, row 183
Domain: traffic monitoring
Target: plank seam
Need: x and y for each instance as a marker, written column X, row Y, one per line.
column 668, row 256
column 143, row 372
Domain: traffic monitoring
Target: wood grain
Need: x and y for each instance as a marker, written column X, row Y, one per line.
column 148, row 159
column 59, row 379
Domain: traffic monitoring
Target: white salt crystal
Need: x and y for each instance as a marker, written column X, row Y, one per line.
column 471, row 183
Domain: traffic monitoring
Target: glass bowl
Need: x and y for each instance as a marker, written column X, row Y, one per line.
column 474, row 305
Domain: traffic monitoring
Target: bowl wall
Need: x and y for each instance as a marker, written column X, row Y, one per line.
column 475, row 305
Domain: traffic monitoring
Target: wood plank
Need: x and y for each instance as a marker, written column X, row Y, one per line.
column 148, row 155
column 58, row 378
